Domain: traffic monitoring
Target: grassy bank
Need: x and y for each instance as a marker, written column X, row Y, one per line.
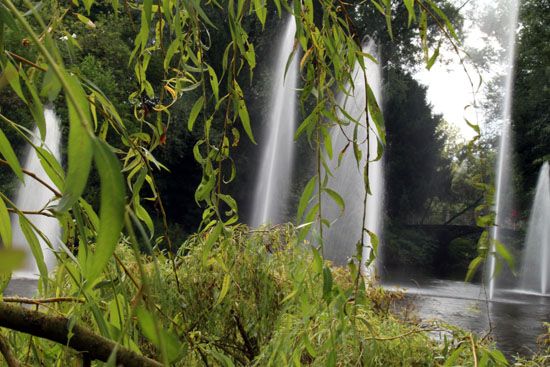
column 252, row 297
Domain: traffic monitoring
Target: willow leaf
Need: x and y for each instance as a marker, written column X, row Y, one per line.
column 5, row 224
column 7, row 152
column 243, row 113
column 111, row 212
column 195, row 110
column 80, row 150
column 34, row 244
column 306, row 196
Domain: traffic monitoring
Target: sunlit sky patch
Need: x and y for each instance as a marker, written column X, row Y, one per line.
column 449, row 90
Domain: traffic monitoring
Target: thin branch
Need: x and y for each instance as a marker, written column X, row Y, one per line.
column 414, row 331
column 58, row 329
column 33, row 175
column 25, row 61
column 473, row 349
column 41, row 301
column 6, row 352
column 464, row 210
column 32, row 212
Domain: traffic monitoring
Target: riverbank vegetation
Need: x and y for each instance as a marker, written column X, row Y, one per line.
column 252, row 297
column 160, row 102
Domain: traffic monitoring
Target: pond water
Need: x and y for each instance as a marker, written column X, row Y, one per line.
column 515, row 319
column 21, row 287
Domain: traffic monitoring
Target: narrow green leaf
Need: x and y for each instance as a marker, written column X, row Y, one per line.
column 214, row 83
column 34, row 244
column 376, row 115
column 210, row 240
column 12, row 75
column 306, row 196
column 317, row 261
column 505, row 254
column 409, row 4
column 111, row 212
column 432, row 59
column 224, row 290
column 51, row 166
column 337, row 198
column 87, row 21
column 243, row 112
column 79, row 148
column 472, row 268
column 88, row 4
column 197, row 107
column 5, row 224
column 7, row 152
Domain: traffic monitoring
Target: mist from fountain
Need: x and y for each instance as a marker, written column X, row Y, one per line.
column 33, row 196
column 347, row 178
column 275, row 174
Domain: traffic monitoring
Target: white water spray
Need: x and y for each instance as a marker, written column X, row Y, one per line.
column 504, row 195
column 275, row 174
column 535, row 275
column 347, row 178
column 34, row 196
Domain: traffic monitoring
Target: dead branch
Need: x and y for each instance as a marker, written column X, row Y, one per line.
column 57, row 329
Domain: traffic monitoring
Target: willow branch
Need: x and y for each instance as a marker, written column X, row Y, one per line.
column 58, row 330
column 33, row 175
column 31, row 212
column 6, row 352
column 25, row 61
column 410, row 332
column 474, row 354
column 41, row 301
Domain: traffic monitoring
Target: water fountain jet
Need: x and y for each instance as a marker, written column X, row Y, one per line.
column 275, row 174
column 535, row 274
column 34, row 196
column 503, row 189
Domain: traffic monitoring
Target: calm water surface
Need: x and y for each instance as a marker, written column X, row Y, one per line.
column 515, row 318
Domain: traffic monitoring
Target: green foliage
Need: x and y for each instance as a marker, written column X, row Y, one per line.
column 254, row 299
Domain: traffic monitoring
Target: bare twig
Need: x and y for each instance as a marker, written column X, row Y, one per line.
column 25, row 61
column 40, row 301
column 32, row 212
column 33, row 175
column 473, row 349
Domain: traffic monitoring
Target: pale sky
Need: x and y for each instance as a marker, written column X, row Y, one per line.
column 449, row 90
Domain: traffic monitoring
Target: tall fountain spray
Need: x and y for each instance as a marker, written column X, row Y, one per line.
column 34, row 196
column 535, row 275
column 275, row 174
column 347, row 178
column 503, row 198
